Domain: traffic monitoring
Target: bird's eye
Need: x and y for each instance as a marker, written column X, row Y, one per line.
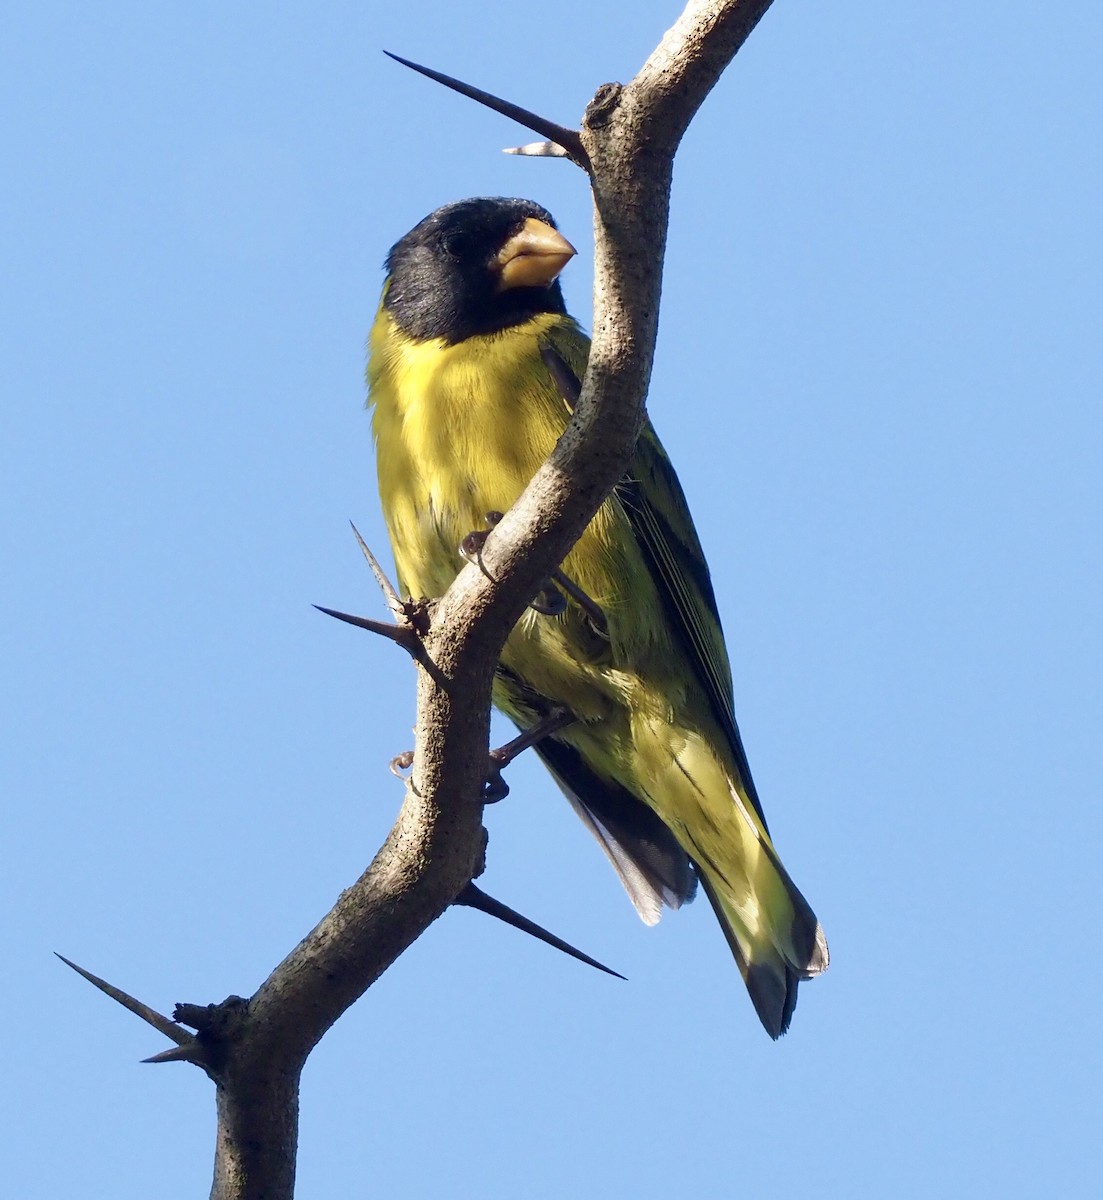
column 453, row 243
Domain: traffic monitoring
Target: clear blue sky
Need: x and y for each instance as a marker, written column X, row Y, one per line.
column 879, row 374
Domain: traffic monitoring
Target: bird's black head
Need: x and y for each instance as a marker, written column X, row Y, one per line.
column 476, row 267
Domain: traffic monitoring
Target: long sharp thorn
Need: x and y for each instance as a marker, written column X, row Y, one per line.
column 560, row 134
column 475, row 897
column 150, row 1015
column 396, row 633
column 184, row 1053
column 394, row 603
column 402, row 635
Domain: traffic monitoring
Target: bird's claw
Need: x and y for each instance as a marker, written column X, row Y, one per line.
column 402, row 762
column 471, row 548
column 495, row 787
column 550, row 602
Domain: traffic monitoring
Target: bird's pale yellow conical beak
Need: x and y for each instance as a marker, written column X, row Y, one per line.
column 533, row 256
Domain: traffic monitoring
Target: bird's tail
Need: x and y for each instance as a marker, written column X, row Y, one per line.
column 771, row 929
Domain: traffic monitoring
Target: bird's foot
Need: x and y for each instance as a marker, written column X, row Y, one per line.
column 402, row 762
column 471, row 548
column 496, row 788
column 550, row 601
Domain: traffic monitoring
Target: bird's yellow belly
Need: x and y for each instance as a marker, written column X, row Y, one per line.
column 562, row 658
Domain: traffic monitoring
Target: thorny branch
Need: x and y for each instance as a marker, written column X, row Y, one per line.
column 255, row 1048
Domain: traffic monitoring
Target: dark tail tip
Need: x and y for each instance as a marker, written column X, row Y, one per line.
column 773, row 995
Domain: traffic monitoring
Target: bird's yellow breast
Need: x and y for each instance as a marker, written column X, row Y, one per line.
column 460, row 431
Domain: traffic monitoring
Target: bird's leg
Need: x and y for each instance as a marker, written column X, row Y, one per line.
column 550, row 601
column 471, row 548
column 553, row 722
column 588, row 605
column 496, row 787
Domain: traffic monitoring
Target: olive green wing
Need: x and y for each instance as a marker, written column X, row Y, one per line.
column 655, row 505
column 651, row 865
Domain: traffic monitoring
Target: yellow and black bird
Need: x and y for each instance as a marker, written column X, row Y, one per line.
column 468, row 357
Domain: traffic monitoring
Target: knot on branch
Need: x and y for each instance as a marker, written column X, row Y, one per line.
column 419, row 615
column 601, row 108
column 480, row 861
column 215, row 1025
